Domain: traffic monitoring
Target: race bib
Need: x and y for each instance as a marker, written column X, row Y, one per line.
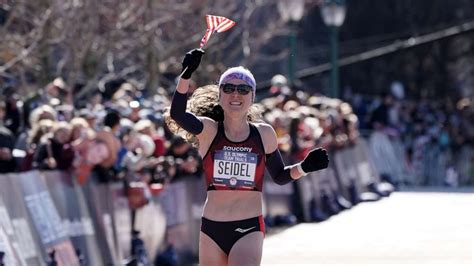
column 234, row 169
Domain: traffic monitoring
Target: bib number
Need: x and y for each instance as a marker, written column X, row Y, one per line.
column 234, row 169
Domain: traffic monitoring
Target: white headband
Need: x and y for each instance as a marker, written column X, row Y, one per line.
column 238, row 73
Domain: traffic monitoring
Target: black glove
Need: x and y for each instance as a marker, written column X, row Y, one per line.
column 190, row 63
column 316, row 159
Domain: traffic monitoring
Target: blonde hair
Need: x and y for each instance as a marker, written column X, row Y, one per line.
column 143, row 124
column 79, row 122
column 205, row 102
column 42, row 112
column 38, row 131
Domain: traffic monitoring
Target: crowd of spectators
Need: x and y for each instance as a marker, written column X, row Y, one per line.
column 120, row 133
column 436, row 135
column 117, row 136
column 124, row 134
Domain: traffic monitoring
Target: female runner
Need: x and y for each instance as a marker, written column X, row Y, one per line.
column 235, row 149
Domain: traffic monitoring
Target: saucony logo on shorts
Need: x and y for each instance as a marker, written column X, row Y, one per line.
column 240, row 230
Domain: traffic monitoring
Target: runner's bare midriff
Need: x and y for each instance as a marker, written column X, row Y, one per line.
column 232, row 205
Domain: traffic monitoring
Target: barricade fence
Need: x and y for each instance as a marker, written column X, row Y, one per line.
column 93, row 224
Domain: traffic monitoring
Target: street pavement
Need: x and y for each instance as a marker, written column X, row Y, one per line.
column 418, row 227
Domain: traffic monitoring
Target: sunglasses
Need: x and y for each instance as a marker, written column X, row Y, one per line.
column 242, row 89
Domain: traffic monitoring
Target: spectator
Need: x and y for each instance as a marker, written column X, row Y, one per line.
column 12, row 117
column 112, row 122
column 380, row 116
column 94, row 104
column 24, row 143
column 99, row 154
column 29, row 145
column 147, row 127
column 81, row 136
column 50, row 95
column 89, row 116
column 55, row 151
column 81, row 141
column 186, row 159
column 140, row 148
column 7, row 142
column 105, row 170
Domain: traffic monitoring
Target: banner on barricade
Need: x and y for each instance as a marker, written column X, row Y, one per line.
column 45, row 217
column 8, row 247
column 102, row 200
column 74, row 214
column 8, row 255
column 17, row 224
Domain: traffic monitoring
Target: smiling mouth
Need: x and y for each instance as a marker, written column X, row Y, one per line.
column 235, row 103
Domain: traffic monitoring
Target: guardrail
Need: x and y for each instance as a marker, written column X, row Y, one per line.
column 46, row 212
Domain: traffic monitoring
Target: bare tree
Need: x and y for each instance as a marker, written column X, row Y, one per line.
column 95, row 41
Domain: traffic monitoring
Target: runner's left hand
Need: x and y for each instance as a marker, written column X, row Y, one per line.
column 316, row 159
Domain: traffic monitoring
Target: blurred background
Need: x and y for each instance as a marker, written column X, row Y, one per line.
column 387, row 87
column 426, row 47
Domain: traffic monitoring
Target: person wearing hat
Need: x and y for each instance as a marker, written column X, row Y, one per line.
column 52, row 94
column 55, row 150
column 236, row 148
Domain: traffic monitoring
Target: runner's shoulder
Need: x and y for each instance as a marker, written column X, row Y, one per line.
column 266, row 130
column 268, row 136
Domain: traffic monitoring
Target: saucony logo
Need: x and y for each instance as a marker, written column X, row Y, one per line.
column 230, row 148
column 240, row 230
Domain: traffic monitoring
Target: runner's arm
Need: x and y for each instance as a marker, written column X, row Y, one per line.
column 280, row 173
column 186, row 120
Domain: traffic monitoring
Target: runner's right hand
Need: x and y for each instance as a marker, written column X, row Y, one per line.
column 191, row 62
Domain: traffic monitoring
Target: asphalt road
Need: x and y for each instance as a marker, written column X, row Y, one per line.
column 407, row 228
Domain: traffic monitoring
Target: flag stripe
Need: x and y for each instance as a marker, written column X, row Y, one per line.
column 225, row 26
column 215, row 23
column 205, row 38
column 209, row 22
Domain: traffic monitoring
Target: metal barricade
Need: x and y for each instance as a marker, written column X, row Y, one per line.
column 15, row 239
column 346, row 173
column 74, row 214
column 182, row 203
column 366, row 171
column 45, row 211
column 277, row 199
column 464, row 164
column 313, row 188
column 100, row 201
column 31, row 208
column 112, row 219
column 17, row 224
column 386, row 161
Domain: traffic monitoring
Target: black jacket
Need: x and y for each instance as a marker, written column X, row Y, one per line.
column 7, row 140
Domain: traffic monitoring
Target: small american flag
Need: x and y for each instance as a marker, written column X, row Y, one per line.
column 215, row 23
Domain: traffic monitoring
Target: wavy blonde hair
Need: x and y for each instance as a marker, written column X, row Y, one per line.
column 205, row 102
